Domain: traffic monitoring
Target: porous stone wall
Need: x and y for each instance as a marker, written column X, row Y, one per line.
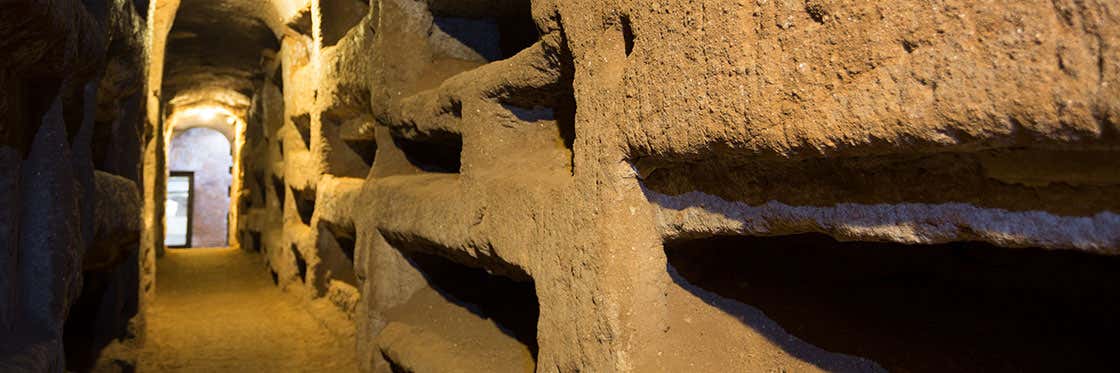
column 588, row 185
column 72, row 133
column 494, row 185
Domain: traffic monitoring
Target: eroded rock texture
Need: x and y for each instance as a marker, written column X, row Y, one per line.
column 72, row 73
column 500, row 180
column 548, row 152
column 590, row 185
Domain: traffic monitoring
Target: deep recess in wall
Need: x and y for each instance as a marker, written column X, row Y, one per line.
column 255, row 240
column 353, row 147
column 518, row 31
column 102, row 140
column 38, row 97
column 259, row 188
column 362, row 145
column 442, row 157
column 339, row 16
column 280, row 191
column 345, row 236
column 303, row 126
column 340, row 263
column 627, row 34
column 510, row 304
column 364, row 148
column 301, row 264
column 1056, row 182
column 936, row 308
column 493, row 33
column 97, row 314
column 305, row 204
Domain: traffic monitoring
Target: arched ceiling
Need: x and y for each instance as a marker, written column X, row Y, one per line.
column 216, row 48
column 213, row 117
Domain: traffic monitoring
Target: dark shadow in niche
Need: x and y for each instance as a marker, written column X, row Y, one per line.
column 305, row 204
column 512, row 305
column 339, row 16
column 255, row 240
column 102, row 311
column 364, row 148
column 345, row 236
column 432, row 156
column 339, row 263
column 530, row 115
column 936, row 308
column 301, row 265
column 258, row 189
column 565, row 113
column 480, row 35
column 303, row 126
column 518, row 31
column 102, row 141
column 497, row 35
column 280, row 190
column 141, row 8
column 627, row 35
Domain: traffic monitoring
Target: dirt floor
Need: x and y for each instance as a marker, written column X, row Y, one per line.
column 216, row 310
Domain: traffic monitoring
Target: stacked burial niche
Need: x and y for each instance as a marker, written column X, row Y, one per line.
column 486, row 320
column 963, row 306
column 494, row 79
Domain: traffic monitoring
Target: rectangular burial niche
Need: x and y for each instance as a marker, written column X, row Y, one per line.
column 493, row 31
column 255, row 240
column 511, row 305
column 302, row 123
column 352, row 145
column 437, row 157
column 305, row 204
column 922, row 308
column 339, row 16
column 343, row 235
column 301, row 264
column 280, row 191
column 359, row 139
column 339, row 263
column 258, row 188
column 366, row 149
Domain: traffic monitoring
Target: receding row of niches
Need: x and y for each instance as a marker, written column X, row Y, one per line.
column 491, row 68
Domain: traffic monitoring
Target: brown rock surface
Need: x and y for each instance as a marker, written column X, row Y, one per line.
column 574, row 185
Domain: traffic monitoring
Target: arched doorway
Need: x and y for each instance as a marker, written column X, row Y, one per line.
column 200, row 161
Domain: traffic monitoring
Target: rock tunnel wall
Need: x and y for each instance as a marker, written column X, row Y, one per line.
column 585, row 185
column 550, row 152
column 72, row 128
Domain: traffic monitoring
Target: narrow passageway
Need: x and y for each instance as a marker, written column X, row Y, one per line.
column 216, row 310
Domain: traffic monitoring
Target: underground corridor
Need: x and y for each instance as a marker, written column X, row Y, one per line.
column 559, row 186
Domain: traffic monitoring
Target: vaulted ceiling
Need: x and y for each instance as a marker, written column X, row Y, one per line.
column 216, row 49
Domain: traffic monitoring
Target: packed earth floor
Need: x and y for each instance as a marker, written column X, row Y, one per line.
column 215, row 310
